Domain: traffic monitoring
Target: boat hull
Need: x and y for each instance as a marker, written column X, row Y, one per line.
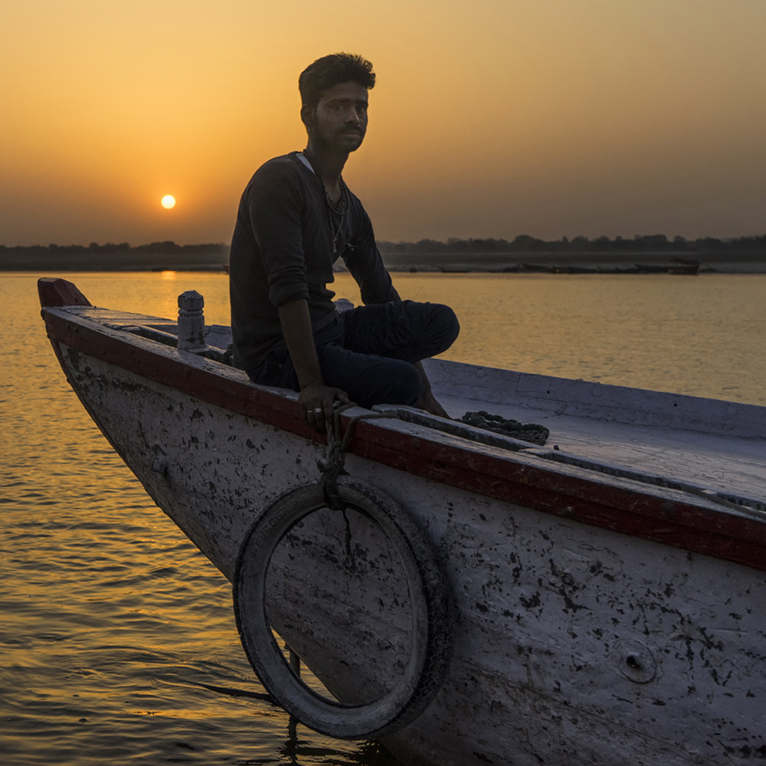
column 574, row 643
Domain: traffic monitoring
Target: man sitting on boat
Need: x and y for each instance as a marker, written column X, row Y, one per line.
column 295, row 218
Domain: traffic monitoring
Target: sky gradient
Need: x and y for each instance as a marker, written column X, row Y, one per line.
column 491, row 118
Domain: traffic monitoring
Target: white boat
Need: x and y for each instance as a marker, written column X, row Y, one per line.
column 600, row 600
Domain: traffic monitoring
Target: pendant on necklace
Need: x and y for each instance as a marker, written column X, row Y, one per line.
column 335, row 230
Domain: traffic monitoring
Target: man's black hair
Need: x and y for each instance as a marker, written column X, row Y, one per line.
column 332, row 70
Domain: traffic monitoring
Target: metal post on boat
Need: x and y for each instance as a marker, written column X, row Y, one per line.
column 191, row 321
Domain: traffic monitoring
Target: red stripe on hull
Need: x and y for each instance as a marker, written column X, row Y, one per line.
column 597, row 503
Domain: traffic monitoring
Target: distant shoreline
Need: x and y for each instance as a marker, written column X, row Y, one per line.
column 644, row 254
column 51, row 264
column 571, row 263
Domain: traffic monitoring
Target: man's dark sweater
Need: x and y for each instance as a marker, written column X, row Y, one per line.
column 282, row 250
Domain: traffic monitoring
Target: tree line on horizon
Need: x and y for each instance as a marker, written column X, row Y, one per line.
column 527, row 244
column 124, row 248
column 521, row 244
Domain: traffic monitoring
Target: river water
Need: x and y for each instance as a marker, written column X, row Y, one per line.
column 113, row 626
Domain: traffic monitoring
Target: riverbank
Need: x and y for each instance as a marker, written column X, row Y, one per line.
column 573, row 263
column 216, row 259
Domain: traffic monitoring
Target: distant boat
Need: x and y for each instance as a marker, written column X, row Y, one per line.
column 684, row 266
column 679, row 266
column 476, row 598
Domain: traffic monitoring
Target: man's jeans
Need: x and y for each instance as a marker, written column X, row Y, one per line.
column 369, row 351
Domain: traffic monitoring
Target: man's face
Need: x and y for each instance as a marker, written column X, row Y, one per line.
column 340, row 118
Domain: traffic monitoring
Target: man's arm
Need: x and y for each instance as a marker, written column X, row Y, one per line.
column 316, row 399
column 363, row 260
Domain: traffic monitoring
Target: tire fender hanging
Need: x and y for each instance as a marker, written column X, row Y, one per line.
column 431, row 610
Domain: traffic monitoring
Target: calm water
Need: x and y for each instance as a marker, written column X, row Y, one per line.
column 111, row 622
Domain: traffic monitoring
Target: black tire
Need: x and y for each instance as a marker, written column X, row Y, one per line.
column 431, row 609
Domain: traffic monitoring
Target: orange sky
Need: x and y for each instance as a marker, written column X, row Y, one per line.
column 491, row 118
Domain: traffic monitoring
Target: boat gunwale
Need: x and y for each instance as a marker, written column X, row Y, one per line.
column 665, row 516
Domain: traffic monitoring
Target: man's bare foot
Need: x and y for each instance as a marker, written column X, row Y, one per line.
column 429, row 404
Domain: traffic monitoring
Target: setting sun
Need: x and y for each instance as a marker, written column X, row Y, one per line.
column 168, row 201
column 588, row 135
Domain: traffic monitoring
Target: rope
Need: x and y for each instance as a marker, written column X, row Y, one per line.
column 530, row 432
column 331, row 464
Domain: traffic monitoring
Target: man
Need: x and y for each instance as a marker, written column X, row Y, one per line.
column 296, row 217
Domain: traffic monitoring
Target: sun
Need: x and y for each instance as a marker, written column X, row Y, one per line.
column 168, row 201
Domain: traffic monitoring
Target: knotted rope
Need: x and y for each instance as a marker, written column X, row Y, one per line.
column 529, row 432
column 331, row 464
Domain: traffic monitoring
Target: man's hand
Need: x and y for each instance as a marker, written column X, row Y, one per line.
column 315, row 397
column 316, row 401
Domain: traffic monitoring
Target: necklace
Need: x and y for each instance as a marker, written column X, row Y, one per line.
column 337, row 214
column 334, row 211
